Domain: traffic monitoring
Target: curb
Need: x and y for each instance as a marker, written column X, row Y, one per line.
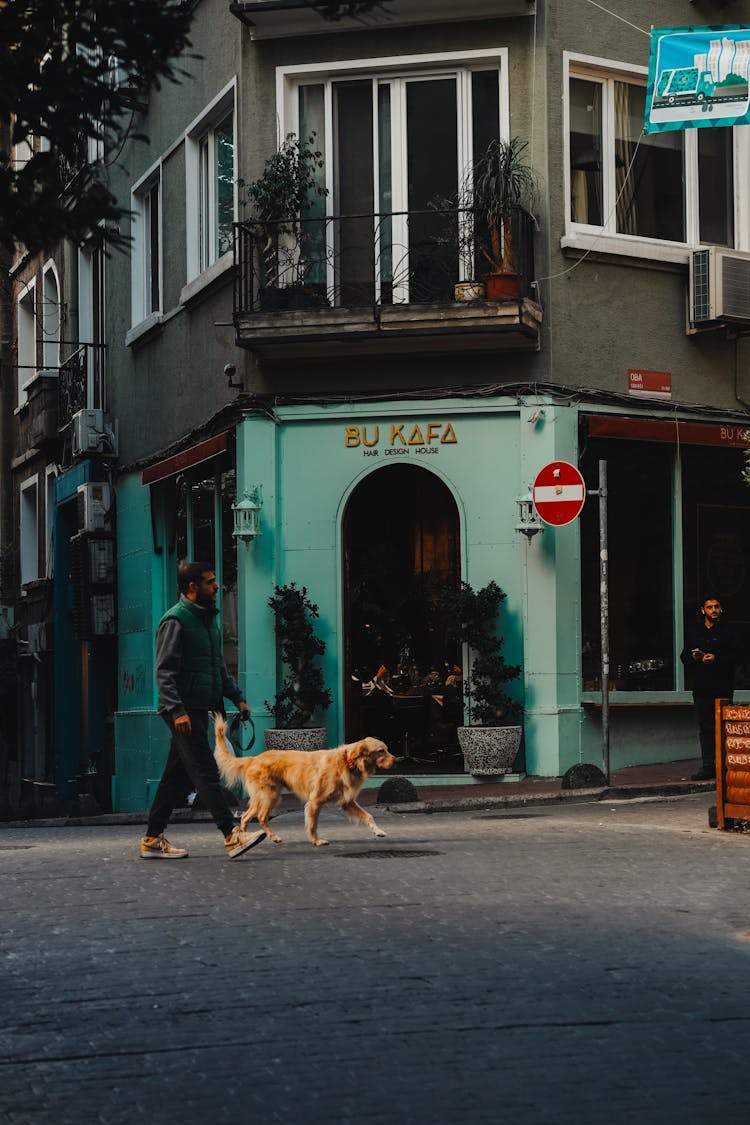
column 455, row 804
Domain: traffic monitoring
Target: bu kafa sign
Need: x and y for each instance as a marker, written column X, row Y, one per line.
column 649, row 384
column 732, row 763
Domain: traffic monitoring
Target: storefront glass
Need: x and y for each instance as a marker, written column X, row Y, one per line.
column 204, row 533
column 640, row 566
column 645, row 609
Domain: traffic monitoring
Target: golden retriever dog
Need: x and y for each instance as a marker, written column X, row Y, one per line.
column 317, row 777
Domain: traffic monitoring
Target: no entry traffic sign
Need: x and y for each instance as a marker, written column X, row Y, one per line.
column 559, row 493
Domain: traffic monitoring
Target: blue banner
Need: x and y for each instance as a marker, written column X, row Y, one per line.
column 698, row 76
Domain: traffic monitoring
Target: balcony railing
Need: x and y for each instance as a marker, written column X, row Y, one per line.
column 370, row 260
column 72, row 387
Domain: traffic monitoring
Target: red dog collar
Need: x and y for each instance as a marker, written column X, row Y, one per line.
column 350, row 765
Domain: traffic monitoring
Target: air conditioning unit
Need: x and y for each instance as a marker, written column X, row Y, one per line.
column 94, row 502
column 719, row 286
column 94, row 433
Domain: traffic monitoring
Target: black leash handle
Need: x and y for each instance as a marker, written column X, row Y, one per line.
column 235, row 728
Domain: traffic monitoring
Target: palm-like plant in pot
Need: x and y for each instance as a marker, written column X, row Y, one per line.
column 282, row 195
column 491, row 742
column 499, row 184
column 302, row 693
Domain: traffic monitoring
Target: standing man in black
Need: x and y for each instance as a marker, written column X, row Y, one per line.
column 710, row 655
column 192, row 680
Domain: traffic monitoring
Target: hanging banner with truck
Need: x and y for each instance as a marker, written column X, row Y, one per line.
column 698, row 77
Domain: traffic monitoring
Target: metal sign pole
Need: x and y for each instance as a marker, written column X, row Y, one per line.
column 604, row 613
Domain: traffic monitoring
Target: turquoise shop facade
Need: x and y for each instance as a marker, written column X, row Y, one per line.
column 309, row 461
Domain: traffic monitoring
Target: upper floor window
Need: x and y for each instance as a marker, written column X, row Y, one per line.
column 27, row 359
column 395, row 135
column 641, row 190
column 211, row 184
column 50, row 318
column 92, row 322
column 147, row 248
column 29, row 532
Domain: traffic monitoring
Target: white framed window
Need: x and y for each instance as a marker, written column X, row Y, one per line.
column 147, row 247
column 395, row 134
column 51, row 318
column 647, row 195
column 211, row 188
column 92, row 321
column 29, row 531
column 50, row 476
column 27, row 358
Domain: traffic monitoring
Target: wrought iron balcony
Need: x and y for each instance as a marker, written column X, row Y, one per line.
column 72, row 387
column 352, row 279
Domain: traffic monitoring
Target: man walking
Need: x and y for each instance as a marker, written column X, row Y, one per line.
column 192, row 680
column 710, row 654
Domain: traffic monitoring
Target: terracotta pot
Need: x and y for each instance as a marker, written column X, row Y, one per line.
column 489, row 751
column 502, row 286
column 296, row 738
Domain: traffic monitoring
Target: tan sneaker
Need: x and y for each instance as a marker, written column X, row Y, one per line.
column 238, row 842
column 159, row 847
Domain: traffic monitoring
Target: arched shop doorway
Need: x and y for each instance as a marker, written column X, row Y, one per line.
column 401, row 540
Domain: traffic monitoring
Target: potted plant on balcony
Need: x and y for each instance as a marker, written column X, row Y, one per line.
column 280, row 197
column 302, row 693
column 491, row 742
column 500, row 183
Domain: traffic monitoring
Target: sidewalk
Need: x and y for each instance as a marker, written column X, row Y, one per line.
column 666, row 780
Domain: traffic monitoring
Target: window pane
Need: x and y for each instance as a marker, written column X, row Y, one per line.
column 586, row 152
column 715, row 186
column 355, row 257
column 204, row 204
column 485, row 109
column 312, row 132
column 640, row 566
column 385, row 193
column 432, row 168
column 716, row 537
column 224, row 139
column 650, row 199
column 151, row 215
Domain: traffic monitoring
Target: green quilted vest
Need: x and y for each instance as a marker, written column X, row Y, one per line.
column 199, row 680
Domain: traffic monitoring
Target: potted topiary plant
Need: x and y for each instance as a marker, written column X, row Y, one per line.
column 302, row 692
column 500, row 183
column 491, row 742
column 280, row 197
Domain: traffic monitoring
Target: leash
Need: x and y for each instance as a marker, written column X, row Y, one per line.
column 235, row 728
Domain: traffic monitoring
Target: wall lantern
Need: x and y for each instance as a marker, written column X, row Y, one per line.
column 247, row 514
column 529, row 522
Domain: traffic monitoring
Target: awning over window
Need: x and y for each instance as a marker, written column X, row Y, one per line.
column 203, row 451
column 732, row 436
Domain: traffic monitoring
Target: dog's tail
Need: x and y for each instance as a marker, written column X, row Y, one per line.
column 229, row 765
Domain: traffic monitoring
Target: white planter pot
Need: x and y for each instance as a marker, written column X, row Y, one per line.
column 489, row 751
column 297, row 738
column 468, row 291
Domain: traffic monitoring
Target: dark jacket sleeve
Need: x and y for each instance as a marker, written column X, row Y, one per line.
column 168, row 659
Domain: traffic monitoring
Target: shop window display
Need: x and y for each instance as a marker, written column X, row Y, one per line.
column 647, row 614
column 639, row 481
column 204, row 533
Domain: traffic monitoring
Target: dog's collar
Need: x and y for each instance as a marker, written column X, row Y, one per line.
column 350, row 765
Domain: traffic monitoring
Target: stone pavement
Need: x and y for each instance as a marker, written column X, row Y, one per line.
column 565, row 964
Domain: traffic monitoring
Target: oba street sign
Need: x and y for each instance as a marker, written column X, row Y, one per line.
column 559, row 493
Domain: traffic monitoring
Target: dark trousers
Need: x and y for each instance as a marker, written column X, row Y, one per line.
column 705, row 710
column 190, row 765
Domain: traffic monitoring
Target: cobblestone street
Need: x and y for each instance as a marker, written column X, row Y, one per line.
column 580, row 964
